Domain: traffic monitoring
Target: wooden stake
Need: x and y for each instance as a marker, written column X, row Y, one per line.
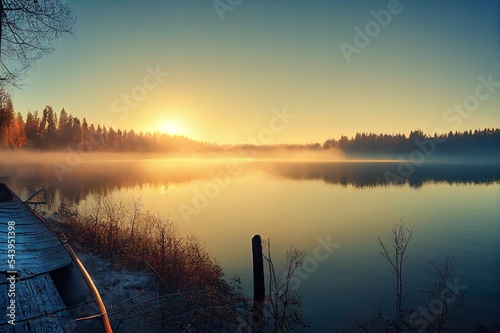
column 258, row 284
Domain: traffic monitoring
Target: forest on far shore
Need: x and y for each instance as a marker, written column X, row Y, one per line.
column 49, row 132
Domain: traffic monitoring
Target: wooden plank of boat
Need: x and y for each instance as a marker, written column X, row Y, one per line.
column 54, row 292
column 41, row 308
column 37, row 249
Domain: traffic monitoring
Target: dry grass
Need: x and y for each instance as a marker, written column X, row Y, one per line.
column 192, row 294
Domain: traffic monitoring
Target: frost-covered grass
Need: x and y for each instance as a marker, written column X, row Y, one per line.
column 150, row 277
column 127, row 294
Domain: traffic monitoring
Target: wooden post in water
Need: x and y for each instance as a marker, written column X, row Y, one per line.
column 258, row 284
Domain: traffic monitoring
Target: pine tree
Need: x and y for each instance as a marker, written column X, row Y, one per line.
column 32, row 125
column 18, row 137
column 6, row 118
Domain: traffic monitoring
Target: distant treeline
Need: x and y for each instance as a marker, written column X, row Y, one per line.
column 484, row 143
column 51, row 132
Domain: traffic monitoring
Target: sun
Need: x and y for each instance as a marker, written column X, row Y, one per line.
column 171, row 127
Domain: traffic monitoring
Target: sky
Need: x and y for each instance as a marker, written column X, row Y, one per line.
column 239, row 71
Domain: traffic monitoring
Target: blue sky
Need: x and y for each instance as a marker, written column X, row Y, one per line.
column 225, row 77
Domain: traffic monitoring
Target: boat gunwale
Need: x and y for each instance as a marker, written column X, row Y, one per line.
column 102, row 313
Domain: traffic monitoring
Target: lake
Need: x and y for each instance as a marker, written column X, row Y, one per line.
column 454, row 209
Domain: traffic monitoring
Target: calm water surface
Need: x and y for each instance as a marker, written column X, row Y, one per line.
column 454, row 209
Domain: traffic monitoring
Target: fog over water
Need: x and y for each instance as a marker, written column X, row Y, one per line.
column 98, row 172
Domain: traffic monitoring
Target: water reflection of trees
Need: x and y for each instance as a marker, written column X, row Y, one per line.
column 102, row 178
column 363, row 175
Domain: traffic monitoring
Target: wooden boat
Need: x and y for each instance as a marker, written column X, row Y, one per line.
column 43, row 285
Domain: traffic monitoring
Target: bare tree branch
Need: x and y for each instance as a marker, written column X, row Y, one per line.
column 401, row 238
column 28, row 30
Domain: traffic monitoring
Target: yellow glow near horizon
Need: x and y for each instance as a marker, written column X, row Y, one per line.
column 171, row 127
